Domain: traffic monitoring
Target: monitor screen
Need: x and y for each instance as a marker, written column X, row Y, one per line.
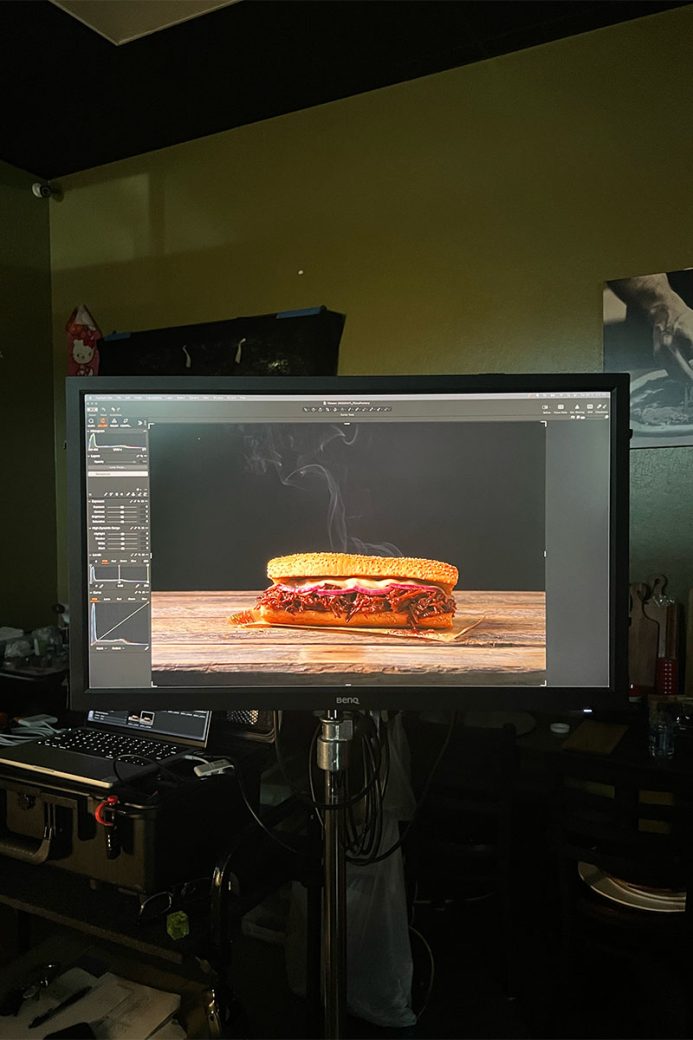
column 381, row 542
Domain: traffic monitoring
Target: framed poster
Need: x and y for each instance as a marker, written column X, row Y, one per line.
column 648, row 332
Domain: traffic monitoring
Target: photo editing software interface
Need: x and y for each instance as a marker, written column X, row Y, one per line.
column 411, row 539
column 176, row 725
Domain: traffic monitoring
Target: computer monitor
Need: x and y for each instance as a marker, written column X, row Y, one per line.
column 388, row 543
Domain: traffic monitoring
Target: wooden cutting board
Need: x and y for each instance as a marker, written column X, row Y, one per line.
column 643, row 640
column 673, row 631
column 689, row 647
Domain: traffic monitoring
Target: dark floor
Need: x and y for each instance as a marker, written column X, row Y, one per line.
column 477, row 964
column 467, row 999
column 605, row 998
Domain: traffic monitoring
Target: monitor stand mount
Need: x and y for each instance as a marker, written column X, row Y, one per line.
column 333, row 748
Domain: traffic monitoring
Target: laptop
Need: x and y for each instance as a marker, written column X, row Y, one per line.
column 138, row 740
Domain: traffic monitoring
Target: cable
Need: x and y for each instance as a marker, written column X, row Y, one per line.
column 15, row 739
column 429, row 780
column 22, row 734
column 361, row 845
column 363, row 819
column 258, row 820
column 161, row 770
column 232, row 767
column 361, row 837
column 351, row 800
column 311, row 801
column 429, row 990
column 371, row 744
column 403, row 837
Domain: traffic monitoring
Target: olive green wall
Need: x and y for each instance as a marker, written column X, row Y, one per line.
column 464, row 222
column 27, row 475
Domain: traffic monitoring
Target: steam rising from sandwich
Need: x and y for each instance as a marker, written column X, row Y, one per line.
column 359, row 591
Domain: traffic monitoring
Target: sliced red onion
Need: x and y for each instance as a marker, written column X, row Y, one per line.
column 352, row 588
column 414, row 589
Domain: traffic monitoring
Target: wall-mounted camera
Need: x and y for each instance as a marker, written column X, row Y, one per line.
column 44, row 190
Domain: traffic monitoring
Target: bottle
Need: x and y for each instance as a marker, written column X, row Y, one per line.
column 635, row 695
column 661, row 723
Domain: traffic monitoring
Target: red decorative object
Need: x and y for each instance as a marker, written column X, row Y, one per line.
column 667, row 677
column 83, row 335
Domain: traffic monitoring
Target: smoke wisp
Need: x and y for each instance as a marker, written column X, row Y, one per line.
column 298, row 456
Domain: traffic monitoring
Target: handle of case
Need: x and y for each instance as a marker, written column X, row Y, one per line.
column 27, row 850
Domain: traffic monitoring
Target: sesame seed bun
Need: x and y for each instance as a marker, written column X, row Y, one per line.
column 351, row 565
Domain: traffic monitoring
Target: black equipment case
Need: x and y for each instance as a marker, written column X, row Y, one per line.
column 153, row 837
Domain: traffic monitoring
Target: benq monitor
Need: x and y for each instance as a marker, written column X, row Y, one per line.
column 430, row 542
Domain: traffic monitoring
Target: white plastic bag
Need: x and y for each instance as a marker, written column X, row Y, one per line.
column 379, row 959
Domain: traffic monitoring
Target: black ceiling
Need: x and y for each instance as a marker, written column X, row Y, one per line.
column 72, row 100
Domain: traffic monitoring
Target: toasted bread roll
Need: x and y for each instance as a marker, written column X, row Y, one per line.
column 321, row 619
column 351, row 565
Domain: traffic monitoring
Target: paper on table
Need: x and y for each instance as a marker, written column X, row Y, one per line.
column 12, row 1027
column 460, row 627
column 116, row 1007
column 140, row 1012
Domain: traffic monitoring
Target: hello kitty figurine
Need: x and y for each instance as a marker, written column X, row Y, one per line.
column 83, row 335
column 82, row 355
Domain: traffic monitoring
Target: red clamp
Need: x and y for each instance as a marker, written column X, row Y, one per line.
column 105, row 811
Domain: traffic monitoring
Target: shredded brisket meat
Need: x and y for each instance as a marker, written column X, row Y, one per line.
column 418, row 601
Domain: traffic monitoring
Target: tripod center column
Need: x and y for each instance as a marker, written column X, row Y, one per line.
column 333, row 758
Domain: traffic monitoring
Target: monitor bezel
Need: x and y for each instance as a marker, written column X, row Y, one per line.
column 313, row 697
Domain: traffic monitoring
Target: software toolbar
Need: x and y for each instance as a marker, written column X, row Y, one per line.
column 118, row 533
column 109, row 444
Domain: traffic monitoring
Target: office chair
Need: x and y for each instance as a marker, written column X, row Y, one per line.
column 459, row 851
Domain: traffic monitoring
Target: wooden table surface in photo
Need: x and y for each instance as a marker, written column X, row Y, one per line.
column 191, row 632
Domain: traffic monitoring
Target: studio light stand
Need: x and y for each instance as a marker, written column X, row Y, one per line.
column 333, row 758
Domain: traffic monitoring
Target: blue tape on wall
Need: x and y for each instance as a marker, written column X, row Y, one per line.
column 300, row 313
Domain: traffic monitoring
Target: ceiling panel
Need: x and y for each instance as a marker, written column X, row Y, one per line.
column 73, row 100
column 121, row 21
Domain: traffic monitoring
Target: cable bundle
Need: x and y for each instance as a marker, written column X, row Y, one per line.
column 370, row 766
column 31, row 729
column 363, row 810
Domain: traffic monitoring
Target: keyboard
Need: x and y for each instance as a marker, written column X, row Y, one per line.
column 101, row 744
